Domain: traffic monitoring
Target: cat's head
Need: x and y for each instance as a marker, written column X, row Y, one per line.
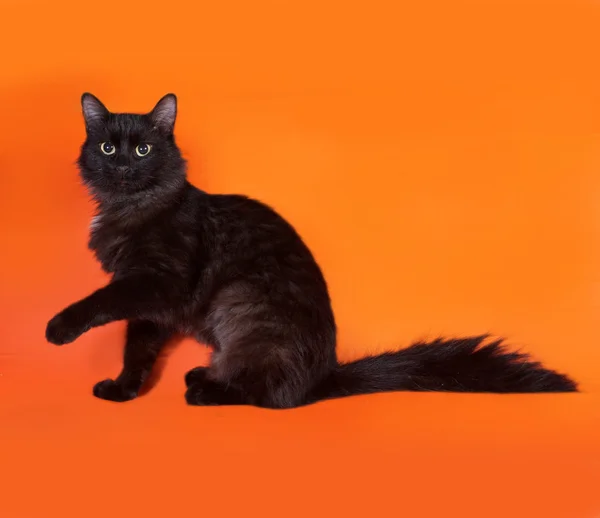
column 127, row 155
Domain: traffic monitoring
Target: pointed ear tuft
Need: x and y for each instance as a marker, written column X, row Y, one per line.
column 164, row 113
column 94, row 111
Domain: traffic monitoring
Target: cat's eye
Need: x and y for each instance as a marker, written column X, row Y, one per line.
column 108, row 148
column 143, row 149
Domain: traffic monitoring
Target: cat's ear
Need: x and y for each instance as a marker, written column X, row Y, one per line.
column 94, row 111
column 164, row 113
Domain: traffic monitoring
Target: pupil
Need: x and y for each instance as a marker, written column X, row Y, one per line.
column 143, row 149
column 108, row 147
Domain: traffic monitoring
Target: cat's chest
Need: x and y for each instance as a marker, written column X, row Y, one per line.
column 116, row 250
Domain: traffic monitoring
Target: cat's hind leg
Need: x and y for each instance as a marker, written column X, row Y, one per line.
column 203, row 391
column 197, row 375
column 267, row 379
column 269, row 351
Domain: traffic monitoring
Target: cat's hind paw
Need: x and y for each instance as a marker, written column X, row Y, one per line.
column 197, row 375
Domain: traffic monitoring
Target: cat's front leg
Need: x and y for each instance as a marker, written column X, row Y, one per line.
column 67, row 326
column 145, row 339
column 135, row 297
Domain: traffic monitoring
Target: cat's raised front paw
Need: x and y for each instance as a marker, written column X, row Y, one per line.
column 112, row 390
column 63, row 328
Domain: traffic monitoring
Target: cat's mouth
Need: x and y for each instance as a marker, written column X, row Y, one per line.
column 123, row 183
column 123, row 179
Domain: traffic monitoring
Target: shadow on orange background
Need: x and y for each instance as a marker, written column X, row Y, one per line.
column 442, row 159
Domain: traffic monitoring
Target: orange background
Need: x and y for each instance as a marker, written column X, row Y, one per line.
column 441, row 158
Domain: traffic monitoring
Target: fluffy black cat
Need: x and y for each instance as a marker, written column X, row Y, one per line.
column 232, row 273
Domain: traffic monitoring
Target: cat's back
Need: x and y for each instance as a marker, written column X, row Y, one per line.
column 249, row 221
column 250, row 238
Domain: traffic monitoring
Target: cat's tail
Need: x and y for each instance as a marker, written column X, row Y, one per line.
column 445, row 365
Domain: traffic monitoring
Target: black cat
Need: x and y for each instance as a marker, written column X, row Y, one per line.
column 230, row 272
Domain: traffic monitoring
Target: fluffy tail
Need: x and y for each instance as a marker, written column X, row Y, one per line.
column 448, row 365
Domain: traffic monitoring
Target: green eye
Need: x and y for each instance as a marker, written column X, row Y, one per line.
column 107, row 148
column 143, row 149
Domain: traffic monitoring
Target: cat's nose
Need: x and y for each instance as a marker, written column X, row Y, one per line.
column 122, row 169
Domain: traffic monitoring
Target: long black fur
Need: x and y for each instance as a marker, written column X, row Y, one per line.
column 232, row 273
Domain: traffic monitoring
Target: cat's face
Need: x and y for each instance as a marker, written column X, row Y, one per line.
column 128, row 154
